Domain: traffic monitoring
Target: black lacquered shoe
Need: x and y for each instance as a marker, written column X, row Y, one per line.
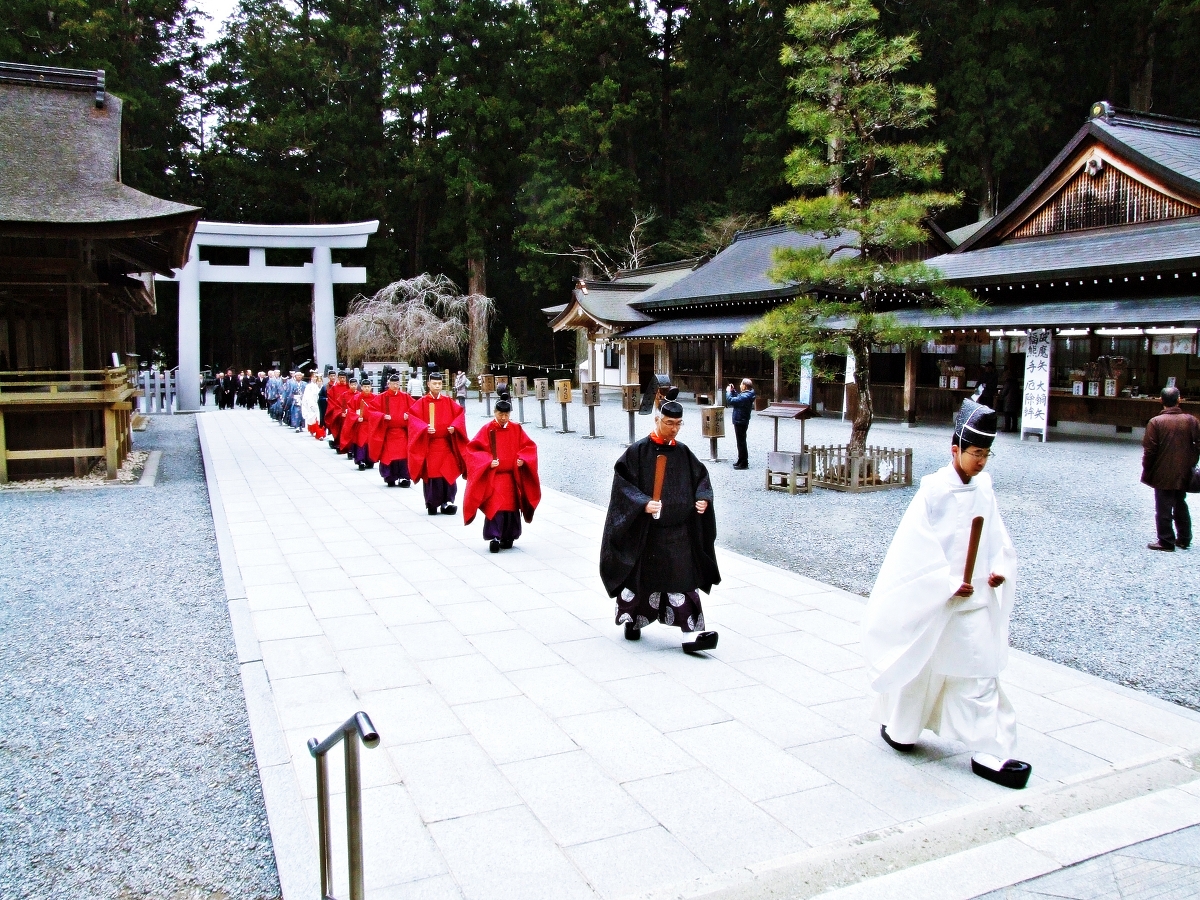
column 895, row 745
column 404, row 482
column 432, row 510
column 1013, row 774
column 494, row 547
column 705, row 640
column 506, row 545
column 449, row 509
column 631, row 633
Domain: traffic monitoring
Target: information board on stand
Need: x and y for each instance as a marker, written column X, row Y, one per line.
column 1035, row 408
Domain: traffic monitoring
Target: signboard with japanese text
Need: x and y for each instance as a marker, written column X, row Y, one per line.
column 1035, row 409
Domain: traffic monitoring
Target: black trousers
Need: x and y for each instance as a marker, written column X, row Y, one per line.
column 743, row 453
column 1170, row 508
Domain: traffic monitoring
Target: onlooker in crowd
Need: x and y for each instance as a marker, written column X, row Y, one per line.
column 985, row 388
column 743, row 403
column 1009, row 398
column 461, row 383
column 1170, row 450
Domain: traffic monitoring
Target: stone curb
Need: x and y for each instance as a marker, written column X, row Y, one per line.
column 291, row 839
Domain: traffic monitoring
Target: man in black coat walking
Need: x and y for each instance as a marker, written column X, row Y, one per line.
column 742, row 403
column 1170, row 450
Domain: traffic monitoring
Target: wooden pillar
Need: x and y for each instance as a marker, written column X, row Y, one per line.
column 3, row 452
column 912, row 359
column 111, row 450
column 777, row 383
column 75, row 364
column 719, row 372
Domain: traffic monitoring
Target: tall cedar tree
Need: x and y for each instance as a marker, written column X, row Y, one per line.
column 850, row 111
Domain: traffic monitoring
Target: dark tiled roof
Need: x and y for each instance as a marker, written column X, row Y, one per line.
column 692, row 327
column 739, row 272
column 1091, row 313
column 60, row 162
column 1173, row 145
column 1159, row 245
column 609, row 302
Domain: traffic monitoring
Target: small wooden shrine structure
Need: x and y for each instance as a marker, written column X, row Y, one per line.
column 78, row 251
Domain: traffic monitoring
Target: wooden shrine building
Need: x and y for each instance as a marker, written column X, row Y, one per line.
column 78, row 252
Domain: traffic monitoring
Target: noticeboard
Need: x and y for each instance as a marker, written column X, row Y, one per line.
column 1035, row 408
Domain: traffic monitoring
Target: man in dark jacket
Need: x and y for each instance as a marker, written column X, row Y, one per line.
column 1171, row 448
column 742, row 403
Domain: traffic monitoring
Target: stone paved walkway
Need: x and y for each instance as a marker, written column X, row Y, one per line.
column 529, row 751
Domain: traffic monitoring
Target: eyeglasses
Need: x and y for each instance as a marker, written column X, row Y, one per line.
column 976, row 453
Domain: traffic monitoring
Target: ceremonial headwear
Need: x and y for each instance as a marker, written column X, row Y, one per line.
column 351, row 380
column 975, row 425
column 503, row 404
column 671, row 407
column 434, row 375
column 394, row 379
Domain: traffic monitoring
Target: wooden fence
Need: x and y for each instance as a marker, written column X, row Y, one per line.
column 878, row 469
column 158, row 391
column 107, row 391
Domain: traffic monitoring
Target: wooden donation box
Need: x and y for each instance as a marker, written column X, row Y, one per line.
column 631, row 397
column 520, row 387
column 712, row 422
column 501, row 383
column 541, row 388
column 591, row 393
column 562, row 390
column 487, row 384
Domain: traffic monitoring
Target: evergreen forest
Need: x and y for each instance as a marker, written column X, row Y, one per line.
column 499, row 142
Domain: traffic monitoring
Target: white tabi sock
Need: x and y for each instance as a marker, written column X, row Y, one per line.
column 988, row 761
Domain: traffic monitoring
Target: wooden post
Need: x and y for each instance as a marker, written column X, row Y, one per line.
column 777, row 382
column 912, row 358
column 75, row 364
column 110, row 443
column 3, row 453
column 718, row 372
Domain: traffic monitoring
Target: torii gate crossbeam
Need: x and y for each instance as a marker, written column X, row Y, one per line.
column 322, row 273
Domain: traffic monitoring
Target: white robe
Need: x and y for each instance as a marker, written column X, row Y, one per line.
column 309, row 405
column 934, row 658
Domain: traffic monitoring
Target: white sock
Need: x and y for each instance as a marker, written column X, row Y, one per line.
column 988, row 761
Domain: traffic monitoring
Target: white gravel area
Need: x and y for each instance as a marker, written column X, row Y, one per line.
column 1090, row 595
column 126, row 763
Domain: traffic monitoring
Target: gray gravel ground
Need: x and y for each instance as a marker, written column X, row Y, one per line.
column 1090, row 594
column 126, row 764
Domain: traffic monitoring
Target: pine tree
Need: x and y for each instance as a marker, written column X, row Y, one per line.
column 851, row 109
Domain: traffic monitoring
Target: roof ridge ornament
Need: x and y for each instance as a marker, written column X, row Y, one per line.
column 55, row 77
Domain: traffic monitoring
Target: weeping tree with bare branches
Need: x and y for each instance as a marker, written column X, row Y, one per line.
column 411, row 319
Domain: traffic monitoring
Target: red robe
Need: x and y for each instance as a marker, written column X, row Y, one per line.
column 390, row 440
column 508, row 487
column 438, row 455
column 335, row 408
column 360, row 433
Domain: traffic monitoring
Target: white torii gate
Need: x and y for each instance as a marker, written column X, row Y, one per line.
column 322, row 273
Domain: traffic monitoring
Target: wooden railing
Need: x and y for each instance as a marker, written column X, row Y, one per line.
column 75, row 390
column 879, row 468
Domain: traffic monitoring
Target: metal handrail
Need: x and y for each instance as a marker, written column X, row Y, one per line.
column 360, row 722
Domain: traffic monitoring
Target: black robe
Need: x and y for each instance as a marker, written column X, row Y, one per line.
column 675, row 552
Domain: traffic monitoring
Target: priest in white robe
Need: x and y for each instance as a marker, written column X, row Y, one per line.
column 936, row 640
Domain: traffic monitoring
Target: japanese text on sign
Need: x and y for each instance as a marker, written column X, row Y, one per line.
column 1036, row 407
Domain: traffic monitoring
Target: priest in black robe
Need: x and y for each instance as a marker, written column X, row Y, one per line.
column 656, row 556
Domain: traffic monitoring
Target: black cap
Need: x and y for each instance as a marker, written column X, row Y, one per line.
column 502, row 402
column 394, row 379
column 671, row 407
column 975, row 425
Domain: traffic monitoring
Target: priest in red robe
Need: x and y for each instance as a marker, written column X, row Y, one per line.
column 369, row 419
column 390, row 442
column 348, row 426
column 335, row 410
column 502, row 478
column 436, row 443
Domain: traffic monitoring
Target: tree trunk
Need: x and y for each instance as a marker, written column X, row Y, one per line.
column 477, row 340
column 990, row 203
column 866, row 411
column 1141, row 79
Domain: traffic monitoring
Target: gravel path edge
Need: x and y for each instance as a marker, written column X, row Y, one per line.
column 292, row 840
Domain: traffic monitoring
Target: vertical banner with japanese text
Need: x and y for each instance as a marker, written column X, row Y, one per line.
column 1035, row 411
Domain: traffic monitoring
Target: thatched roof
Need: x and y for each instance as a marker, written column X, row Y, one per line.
column 60, row 168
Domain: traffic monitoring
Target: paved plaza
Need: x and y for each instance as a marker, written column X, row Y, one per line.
column 529, row 751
